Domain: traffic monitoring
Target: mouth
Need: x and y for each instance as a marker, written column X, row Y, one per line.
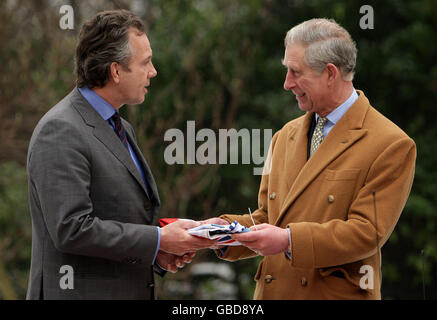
column 301, row 97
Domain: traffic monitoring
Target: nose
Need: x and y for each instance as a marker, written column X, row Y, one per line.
column 153, row 73
column 289, row 82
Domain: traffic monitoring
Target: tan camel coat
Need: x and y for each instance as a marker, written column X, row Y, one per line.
column 328, row 205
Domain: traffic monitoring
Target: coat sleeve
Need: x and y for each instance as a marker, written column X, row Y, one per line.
column 259, row 216
column 59, row 168
column 338, row 242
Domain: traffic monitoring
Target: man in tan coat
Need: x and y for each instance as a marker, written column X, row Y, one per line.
column 337, row 180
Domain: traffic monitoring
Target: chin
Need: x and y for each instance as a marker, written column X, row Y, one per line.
column 304, row 107
column 139, row 100
column 308, row 107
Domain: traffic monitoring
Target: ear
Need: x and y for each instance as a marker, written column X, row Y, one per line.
column 114, row 72
column 333, row 73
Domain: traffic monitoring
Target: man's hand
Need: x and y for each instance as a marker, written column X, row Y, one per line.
column 265, row 239
column 214, row 221
column 175, row 238
column 171, row 262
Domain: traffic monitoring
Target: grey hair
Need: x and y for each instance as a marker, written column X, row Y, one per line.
column 326, row 42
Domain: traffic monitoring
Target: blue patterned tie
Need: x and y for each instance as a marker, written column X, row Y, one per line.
column 119, row 129
column 318, row 134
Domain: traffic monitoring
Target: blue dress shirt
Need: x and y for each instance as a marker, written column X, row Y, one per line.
column 106, row 111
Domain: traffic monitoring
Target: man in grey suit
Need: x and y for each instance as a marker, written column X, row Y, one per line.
column 93, row 199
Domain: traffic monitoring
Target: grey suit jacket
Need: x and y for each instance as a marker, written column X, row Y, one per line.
column 89, row 207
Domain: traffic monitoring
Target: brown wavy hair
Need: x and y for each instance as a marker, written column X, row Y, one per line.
column 103, row 40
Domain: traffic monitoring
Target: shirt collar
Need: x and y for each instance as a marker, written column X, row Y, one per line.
column 338, row 112
column 102, row 106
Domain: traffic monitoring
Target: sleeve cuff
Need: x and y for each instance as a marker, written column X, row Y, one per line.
column 157, row 247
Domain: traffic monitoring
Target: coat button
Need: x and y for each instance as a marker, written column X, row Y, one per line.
column 272, row 196
column 268, row 278
column 303, row 281
column 331, row 198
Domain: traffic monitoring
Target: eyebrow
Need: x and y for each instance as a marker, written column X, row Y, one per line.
column 286, row 65
column 292, row 68
column 149, row 57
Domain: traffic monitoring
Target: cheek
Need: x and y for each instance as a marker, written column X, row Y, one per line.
column 141, row 77
column 136, row 81
column 306, row 85
column 311, row 87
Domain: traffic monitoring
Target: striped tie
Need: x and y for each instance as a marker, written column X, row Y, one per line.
column 119, row 129
column 318, row 134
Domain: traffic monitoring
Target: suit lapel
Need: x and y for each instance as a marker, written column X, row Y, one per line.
column 344, row 134
column 105, row 134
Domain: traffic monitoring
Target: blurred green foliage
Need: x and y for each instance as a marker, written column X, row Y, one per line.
column 15, row 231
column 219, row 63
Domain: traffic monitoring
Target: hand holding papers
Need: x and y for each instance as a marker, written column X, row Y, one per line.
column 265, row 240
column 175, row 238
column 212, row 232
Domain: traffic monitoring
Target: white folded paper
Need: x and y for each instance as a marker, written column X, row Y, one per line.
column 219, row 232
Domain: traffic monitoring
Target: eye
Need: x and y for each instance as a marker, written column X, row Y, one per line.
column 293, row 72
column 147, row 61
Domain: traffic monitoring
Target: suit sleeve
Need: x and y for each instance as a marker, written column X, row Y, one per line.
column 338, row 242
column 59, row 167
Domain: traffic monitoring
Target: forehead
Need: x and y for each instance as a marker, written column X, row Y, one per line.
column 140, row 44
column 294, row 55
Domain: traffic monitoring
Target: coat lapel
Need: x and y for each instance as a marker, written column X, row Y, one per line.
column 344, row 134
column 104, row 133
column 296, row 152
